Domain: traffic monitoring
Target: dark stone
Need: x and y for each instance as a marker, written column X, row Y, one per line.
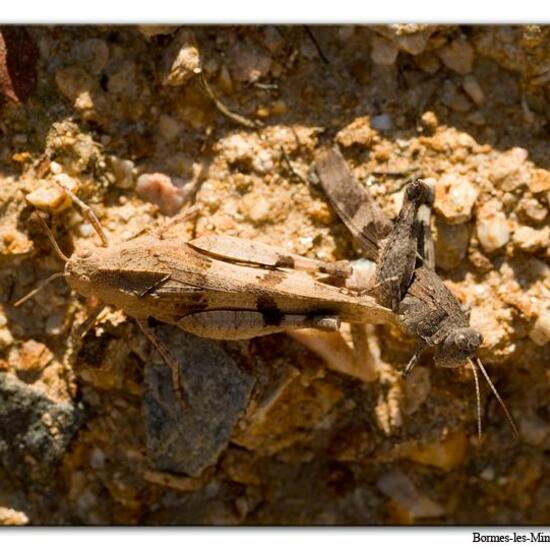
column 187, row 441
column 27, row 445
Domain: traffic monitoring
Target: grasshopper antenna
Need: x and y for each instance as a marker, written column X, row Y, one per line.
column 478, row 399
column 39, row 288
column 51, row 237
column 51, row 278
column 497, row 395
column 88, row 213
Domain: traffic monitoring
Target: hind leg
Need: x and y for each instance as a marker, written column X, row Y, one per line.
column 241, row 325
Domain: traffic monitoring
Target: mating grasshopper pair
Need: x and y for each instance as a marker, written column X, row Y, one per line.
column 228, row 288
column 405, row 280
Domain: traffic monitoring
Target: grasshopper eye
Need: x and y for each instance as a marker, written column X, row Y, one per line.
column 461, row 341
column 413, row 190
column 468, row 340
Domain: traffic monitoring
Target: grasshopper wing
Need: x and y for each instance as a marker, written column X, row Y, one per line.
column 255, row 253
column 355, row 206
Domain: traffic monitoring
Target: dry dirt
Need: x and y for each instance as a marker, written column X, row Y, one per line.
column 120, row 112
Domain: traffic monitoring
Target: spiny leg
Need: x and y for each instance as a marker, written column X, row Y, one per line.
column 170, row 360
column 412, row 361
column 82, row 329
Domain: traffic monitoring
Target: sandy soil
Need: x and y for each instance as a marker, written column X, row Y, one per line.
column 121, row 114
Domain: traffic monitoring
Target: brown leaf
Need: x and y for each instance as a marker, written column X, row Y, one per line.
column 18, row 58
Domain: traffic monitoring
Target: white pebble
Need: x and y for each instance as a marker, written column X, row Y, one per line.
column 123, row 170
column 262, row 162
column 529, row 239
column 540, row 333
column 492, row 227
column 455, row 197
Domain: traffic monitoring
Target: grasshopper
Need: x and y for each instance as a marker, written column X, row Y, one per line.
column 216, row 287
column 405, row 280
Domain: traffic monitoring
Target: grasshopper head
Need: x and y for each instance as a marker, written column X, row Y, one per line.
column 419, row 191
column 457, row 347
column 83, row 268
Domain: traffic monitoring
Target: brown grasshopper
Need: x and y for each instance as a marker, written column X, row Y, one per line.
column 405, row 280
column 215, row 287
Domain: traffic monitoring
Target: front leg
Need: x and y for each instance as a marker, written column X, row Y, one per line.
column 241, row 325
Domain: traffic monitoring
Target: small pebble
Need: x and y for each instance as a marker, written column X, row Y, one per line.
column 248, row 64
column 159, row 189
column 6, row 338
column 487, row 474
column 455, row 197
column 529, row 239
column 429, row 120
column 540, row 333
column 51, row 197
column 169, row 127
column 181, row 59
column 382, row 122
column 505, row 169
column 9, row 516
column 539, row 181
column 256, row 208
column 532, row 209
column 397, row 486
column 446, row 453
column 55, row 323
column 123, row 170
column 534, row 430
column 428, row 62
column 97, row 458
column 492, row 227
column 383, row 51
column 458, row 56
column 76, row 85
column 474, row 90
column 33, row 356
column 453, row 98
column 262, row 162
column 358, row 132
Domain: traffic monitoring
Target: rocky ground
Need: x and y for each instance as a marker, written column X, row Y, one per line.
column 88, row 434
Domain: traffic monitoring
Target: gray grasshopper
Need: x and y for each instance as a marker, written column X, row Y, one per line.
column 405, row 280
column 215, row 287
